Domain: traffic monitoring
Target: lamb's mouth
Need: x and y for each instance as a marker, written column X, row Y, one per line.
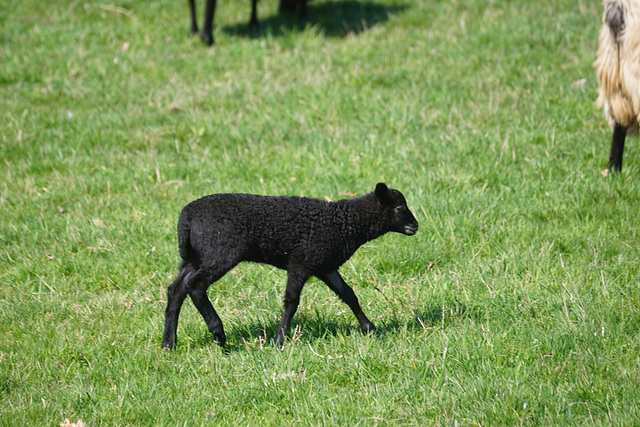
column 410, row 230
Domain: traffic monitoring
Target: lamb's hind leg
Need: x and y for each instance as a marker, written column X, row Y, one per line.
column 337, row 284
column 197, row 290
column 617, row 147
column 176, row 294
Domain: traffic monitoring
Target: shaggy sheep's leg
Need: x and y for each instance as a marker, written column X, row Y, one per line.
column 207, row 28
column 337, row 284
column 295, row 282
column 176, row 294
column 617, row 147
column 192, row 16
column 253, row 22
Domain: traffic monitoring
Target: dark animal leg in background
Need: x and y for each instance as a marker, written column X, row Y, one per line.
column 207, row 27
column 253, row 22
column 617, row 147
column 176, row 294
column 295, row 282
column 337, row 284
column 192, row 15
column 211, row 318
column 288, row 6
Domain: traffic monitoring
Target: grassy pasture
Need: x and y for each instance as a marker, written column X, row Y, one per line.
column 516, row 303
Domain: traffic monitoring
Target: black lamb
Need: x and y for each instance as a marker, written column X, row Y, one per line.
column 305, row 236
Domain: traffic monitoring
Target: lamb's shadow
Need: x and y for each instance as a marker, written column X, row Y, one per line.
column 333, row 19
column 310, row 328
column 305, row 328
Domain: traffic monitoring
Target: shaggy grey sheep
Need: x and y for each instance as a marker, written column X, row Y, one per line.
column 305, row 236
column 618, row 65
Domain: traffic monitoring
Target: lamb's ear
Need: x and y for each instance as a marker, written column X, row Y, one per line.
column 382, row 193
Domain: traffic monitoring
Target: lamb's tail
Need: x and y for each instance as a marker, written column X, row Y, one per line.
column 184, row 233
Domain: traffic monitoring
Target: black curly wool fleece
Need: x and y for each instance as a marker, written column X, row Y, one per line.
column 305, row 236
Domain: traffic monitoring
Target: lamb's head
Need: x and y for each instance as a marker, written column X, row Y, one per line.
column 394, row 207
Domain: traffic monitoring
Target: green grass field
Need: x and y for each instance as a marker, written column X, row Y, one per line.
column 517, row 302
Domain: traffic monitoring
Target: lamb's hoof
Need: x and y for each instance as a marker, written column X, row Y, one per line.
column 369, row 329
column 166, row 345
column 220, row 339
column 278, row 341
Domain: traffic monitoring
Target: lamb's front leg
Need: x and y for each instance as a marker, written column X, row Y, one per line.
column 337, row 284
column 295, row 281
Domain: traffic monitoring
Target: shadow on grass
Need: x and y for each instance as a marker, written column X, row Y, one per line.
column 333, row 19
column 429, row 318
column 303, row 328
column 310, row 328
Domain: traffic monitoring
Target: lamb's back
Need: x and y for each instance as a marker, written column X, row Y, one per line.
column 269, row 229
